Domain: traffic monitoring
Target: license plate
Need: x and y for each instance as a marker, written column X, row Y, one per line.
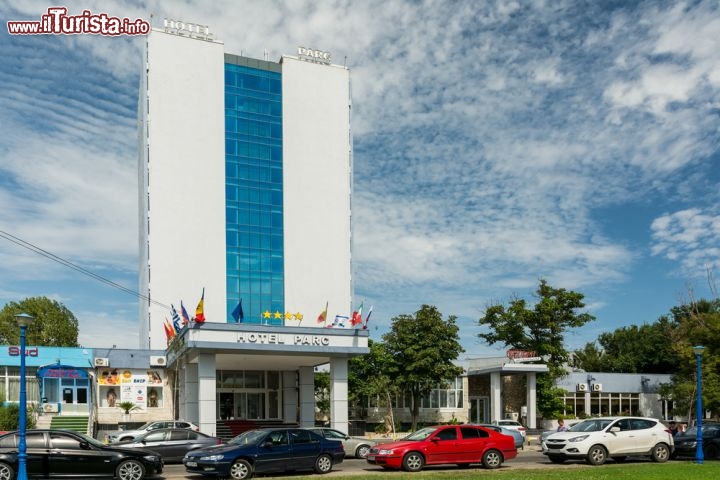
column 191, row 464
column 371, row 458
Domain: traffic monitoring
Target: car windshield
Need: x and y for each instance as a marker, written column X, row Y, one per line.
column 146, row 426
column 421, row 434
column 251, row 437
column 590, row 425
column 92, row 441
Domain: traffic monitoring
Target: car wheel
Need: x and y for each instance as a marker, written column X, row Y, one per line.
column 660, row 453
column 712, row 452
column 596, row 455
column 130, row 470
column 413, row 462
column 6, row 472
column 362, row 451
column 492, row 459
column 323, row 464
column 556, row 459
column 241, row 470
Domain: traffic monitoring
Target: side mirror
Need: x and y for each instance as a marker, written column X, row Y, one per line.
column 614, row 429
column 84, row 445
column 267, row 444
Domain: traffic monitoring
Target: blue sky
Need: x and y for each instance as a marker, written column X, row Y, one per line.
column 496, row 143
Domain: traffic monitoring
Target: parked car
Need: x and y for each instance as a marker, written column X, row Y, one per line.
column 517, row 436
column 686, row 442
column 447, row 444
column 266, row 451
column 595, row 440
column 357, row 447
column 125, row 435
column 544, row 435
column 513, row 425
column 62, row 453
column 172, row 443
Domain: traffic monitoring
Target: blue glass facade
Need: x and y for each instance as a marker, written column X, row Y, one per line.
column 254, row 192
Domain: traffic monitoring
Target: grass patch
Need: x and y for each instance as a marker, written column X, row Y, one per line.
column 610, row 471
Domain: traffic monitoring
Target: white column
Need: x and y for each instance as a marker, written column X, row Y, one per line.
column 496, row 406
column 339, row 394
column 189, row 400
column 207, row 387
column 588, row 405
column 531, row 399
column 290, row 397
column 306, row 384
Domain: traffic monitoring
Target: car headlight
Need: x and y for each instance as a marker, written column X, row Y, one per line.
column 383, row 451
column 213, row 458
column 152, row 458
column 689, row 444
column 578, row 439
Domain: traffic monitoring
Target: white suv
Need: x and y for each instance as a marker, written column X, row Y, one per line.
column 597, row 439
column 127, row 435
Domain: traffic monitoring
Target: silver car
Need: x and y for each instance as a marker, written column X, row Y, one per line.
column 519, row 439
column 125, row 435
column 357, row 447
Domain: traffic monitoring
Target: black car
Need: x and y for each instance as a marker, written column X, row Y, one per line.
column 62, row 453
column 172, row 443
column 686, row 443
column 266, row 451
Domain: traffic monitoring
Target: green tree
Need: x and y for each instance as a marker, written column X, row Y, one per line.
column 590, row 358
column 53, row 325
column 421, row 349
column 647, row 348
column 698, row 323
column 540, row 329
column 368, row 378
column 322, row 392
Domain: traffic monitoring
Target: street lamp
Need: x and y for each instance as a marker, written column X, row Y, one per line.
column 23, row 320
column 699, row 455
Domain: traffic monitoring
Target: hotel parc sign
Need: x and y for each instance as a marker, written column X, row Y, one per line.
column 317, row 56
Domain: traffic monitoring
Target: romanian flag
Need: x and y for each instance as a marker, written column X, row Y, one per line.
column 357, row 316
column 322, row 318
column 200, row 310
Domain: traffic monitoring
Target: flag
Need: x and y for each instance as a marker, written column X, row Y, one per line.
column 357, row 316
column 322, row 318
column 340, row 321
column 183, row 312
column 175, row 319
column 238, row 313
column 169, row 330
column 200, row 310
column 367, row 319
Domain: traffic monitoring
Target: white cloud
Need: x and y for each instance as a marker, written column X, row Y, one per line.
column 689, row 237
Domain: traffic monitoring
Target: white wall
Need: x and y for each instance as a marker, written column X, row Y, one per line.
column 316, row 177
column 186, row 171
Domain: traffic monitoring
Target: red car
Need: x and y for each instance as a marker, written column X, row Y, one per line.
column 458, row 444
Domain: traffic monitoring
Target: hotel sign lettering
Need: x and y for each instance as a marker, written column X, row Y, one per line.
column 187, row 29
column 282, row 339
column 312, row 55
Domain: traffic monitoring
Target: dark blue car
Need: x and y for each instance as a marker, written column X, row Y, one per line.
column 266, row 451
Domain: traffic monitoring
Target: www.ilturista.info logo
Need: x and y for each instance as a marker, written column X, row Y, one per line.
column 57, row 21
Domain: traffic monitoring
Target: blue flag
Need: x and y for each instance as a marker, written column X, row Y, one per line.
column 238, row 313
column 177, row 323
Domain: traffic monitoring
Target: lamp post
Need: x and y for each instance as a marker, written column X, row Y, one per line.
column 23, row 320
column 699, row 455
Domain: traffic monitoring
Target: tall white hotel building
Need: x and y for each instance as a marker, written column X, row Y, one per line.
column 245, row 191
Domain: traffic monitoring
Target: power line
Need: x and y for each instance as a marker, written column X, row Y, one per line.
column 77, row 268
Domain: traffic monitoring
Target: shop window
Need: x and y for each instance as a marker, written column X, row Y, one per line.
column 155, row 397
